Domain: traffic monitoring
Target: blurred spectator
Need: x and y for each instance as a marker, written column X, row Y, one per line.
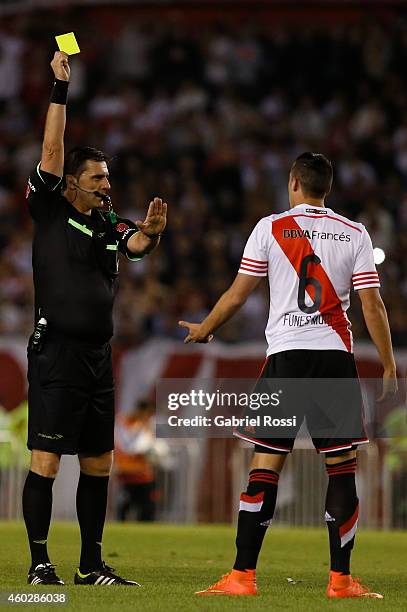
column 11, row 65
column 136, row 456
column 379, row 223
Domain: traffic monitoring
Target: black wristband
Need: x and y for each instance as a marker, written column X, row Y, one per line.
column 59, row 94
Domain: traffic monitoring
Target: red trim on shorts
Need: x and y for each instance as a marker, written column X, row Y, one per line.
column 262, row 368
column 332, row 448
column 349, row 446
column 237, row 434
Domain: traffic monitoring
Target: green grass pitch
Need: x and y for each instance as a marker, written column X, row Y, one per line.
column 173, row 561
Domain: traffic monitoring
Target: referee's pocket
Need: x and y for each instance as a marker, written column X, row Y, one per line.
column 50, row 368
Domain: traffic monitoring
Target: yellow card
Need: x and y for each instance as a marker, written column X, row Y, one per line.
column 67, row 43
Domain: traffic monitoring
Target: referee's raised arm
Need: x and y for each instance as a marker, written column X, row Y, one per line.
column 52, row 158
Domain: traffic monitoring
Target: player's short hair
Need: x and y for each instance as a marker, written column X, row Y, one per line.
column 77, row 157
column 314, row 172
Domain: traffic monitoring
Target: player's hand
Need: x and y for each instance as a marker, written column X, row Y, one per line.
column 60, row 66
column 390, row 385
column 194, row 333
column 156, row 218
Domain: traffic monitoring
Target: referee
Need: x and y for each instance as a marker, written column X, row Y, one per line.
column 71, row 388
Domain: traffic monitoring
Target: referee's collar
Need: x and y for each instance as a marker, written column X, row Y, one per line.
column 80, row 215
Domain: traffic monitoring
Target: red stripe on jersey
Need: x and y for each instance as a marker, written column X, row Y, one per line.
column 256, row 261
column 255, row 271
column 372, row 273
column 295, row 251
column 370, row 282
column 349, row 523
column 327, row 217
column 255, row 266
column 363, row 279
column 369, row 277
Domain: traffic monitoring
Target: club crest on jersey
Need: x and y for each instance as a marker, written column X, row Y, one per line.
column 121, row 227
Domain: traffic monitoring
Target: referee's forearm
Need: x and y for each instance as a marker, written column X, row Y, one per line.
column 141, row 244
column 54, row 131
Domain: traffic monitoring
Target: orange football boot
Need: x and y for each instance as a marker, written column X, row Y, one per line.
column 233, row 583
column 346, row 586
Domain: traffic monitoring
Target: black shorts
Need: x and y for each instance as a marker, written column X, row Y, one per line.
column 326, row 393
column 70, row 398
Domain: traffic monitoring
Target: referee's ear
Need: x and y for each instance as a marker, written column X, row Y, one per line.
column 69, row 181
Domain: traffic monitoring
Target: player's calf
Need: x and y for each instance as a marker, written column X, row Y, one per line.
column 256, row 512
column 341, row 515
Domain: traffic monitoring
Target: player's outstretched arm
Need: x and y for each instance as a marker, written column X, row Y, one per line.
column 374, row 312
column 150, row 229
column 52, row 158
column 223, row 310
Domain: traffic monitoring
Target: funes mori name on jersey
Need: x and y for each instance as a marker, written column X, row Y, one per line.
column 299, row 233
column 297, row 320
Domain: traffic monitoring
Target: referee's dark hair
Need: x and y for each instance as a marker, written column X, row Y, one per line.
column 314, row 172
column 76, row 158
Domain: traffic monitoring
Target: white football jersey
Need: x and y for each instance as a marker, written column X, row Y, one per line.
column 312, row 257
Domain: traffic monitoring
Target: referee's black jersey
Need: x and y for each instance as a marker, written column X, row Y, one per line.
column 75, row 261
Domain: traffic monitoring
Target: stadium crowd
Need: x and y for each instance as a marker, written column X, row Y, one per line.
column 209, row 118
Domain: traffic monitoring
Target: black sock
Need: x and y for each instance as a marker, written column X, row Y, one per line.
column 341, row 513
column 91, row 502
column 37, row 508
column 257, row 507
